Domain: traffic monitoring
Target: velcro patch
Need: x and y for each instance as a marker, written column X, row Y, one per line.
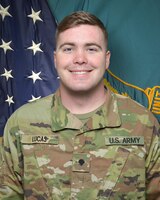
column 31, row 139
column 124, row 140
column 81, row 162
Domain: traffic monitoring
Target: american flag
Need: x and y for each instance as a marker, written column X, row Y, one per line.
column 27, row 73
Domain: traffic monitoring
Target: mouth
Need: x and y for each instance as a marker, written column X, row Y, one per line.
column 80, row 71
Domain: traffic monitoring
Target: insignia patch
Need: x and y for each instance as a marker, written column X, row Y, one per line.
column 81, row 162
column 124, row 140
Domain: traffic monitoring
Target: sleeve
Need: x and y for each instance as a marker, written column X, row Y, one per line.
column 153, row 166
column 1, row 161
column 11, row 164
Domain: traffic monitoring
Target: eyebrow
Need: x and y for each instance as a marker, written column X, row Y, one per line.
column 93, row 44
column 73, row 44
column 65, row 44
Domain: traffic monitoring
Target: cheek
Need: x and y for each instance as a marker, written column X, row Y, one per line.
column 98, row 60
column 63, row 61
column 100, row 64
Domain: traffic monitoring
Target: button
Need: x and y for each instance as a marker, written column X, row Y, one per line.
column 81, row 162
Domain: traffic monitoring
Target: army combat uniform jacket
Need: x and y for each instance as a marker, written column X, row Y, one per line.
column 49, row 154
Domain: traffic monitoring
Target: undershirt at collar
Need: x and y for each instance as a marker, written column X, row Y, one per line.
column 85, row 117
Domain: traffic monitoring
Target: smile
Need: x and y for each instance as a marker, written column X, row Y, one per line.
column 80, row 72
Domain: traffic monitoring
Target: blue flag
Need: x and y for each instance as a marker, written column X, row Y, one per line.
column 27, row 72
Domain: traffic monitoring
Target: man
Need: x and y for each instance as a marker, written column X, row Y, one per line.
column 83, row 142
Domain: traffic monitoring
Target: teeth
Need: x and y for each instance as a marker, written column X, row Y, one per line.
column 79, row 72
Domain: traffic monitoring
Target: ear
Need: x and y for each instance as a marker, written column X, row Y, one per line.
column 54, row 57
column 108, row 55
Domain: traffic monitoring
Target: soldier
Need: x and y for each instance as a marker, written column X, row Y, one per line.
column 83, row 142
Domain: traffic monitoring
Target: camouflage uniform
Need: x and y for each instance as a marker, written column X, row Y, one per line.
column 49, row 154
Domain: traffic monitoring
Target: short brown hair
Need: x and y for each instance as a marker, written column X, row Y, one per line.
column 80, row 18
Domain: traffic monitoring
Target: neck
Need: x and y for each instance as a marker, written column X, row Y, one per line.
column 83, row 102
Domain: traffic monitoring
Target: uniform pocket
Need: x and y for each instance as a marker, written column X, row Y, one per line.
column 126, row 173
column 34, row 148
column 47, row 165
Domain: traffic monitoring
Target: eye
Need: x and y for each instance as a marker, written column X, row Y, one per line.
column 67, row 49
column 92, row 49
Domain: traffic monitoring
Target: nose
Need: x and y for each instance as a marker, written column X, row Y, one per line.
column 80, row 57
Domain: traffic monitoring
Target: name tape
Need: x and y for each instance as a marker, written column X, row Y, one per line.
column 50, row 139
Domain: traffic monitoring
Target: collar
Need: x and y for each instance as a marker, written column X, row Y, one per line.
column 106, row 116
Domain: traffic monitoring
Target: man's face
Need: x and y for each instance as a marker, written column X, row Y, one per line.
column 81, row 58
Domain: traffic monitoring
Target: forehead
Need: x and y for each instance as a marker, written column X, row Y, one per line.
column 82, row 33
